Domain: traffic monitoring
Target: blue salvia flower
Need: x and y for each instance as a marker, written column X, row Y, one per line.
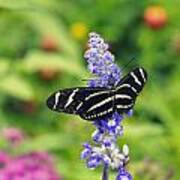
column 101, row 63
column 105, row 150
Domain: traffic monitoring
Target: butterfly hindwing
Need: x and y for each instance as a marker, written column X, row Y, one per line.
column 129, row 88
column 98, row 105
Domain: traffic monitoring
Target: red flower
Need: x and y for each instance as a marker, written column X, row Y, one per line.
column 155, row 17
column 48, row 74
column 49, row 44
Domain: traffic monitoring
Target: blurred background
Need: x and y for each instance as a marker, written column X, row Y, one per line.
column 41, row 50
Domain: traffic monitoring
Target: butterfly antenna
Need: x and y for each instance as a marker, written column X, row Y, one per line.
column 132, row 59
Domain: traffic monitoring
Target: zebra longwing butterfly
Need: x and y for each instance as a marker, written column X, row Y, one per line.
column 99, row 103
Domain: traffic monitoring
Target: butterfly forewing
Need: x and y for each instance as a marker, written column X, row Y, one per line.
column 74, row 100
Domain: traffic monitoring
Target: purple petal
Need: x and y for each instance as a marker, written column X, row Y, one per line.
column 94, row 161
column 123, row 175
column 85, row 153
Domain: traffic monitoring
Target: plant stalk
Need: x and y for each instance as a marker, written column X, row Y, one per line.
column 105, row 173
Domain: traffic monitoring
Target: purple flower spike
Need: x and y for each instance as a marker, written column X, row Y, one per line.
column 123, row 175
column 97, row 136
column 86, row 152
column 101, row 63
column 105, row 150
column 94, row 161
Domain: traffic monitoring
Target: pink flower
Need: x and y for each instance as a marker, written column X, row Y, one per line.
column 32, row 166
column 4, row 159
column 13, row 135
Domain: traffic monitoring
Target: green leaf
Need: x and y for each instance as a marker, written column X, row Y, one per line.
column 47, row 142
column 25, row 5
column 15, row 86
column 35, row 61
column 56, row 29
column 20, row 4
column 4, row 64
column 142, row 130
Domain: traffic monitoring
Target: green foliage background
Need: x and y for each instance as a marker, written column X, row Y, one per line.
column 153, row 133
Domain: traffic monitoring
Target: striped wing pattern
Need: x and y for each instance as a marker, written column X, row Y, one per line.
column 99, row 106
column 99, row 103
column 128, row 89
column 75, row 100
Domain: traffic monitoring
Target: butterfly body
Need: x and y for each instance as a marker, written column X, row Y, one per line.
column 100, row 102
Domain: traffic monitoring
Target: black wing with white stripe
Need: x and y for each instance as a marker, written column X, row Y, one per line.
column 100, row 103
column 129, row 88
column 76, row 100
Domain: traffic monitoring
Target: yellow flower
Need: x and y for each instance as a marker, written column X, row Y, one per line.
column 79, row 30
